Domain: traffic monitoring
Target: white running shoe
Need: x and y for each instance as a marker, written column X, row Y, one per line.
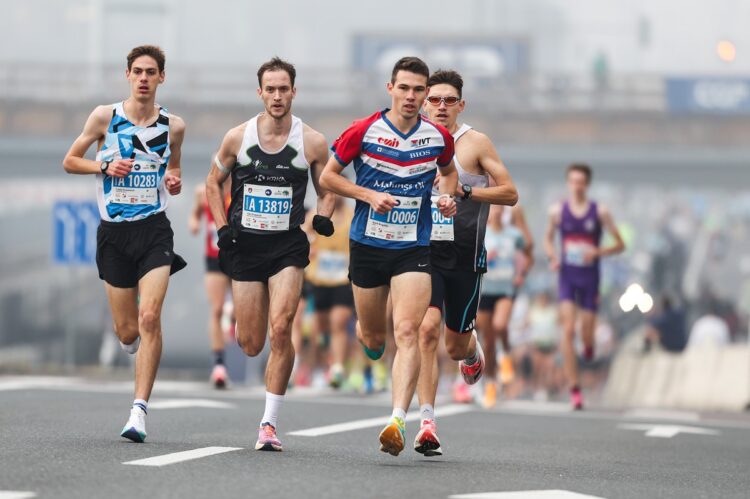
column 135, row 428
column 132, row 348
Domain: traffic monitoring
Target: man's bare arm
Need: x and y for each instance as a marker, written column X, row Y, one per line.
column 332, row 180
column 504, row 191
column 318, row 158
column 93, row 131
column 221, row 167
column 608, row 222
column 173, row 178
column 549, row 236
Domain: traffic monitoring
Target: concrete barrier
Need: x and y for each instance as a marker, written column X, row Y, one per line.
column 704, row 379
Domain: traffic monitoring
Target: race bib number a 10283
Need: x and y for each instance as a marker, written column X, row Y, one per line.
column 399, row 224
column 266, row 208
column 140, row 186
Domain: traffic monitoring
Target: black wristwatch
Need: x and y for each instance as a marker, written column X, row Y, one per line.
column 105, row 166
column 467, row 191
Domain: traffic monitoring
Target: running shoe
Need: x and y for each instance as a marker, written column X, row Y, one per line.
column 588, row 353
column 219, row 376
column 490, row 395
column 336, row 376
column 393, row 436
column 576, row 399
column 427, row 441
column 132, row 348
column 461, row 393
column 473, row 372
column 267, row 439
column 507, row 373
column 369, row 380
column 135, row 428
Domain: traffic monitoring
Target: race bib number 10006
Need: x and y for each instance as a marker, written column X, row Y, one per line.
column 399, row 224
column 442, row 226
column 266, row 208
column 139, row 186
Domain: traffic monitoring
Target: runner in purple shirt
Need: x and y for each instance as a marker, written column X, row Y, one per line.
column 580, row 222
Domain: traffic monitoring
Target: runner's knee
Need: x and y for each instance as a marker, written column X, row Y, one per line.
column 126, row 331
column 429, row 336
column 406, row 333
column 148, row 320
column 251, row 347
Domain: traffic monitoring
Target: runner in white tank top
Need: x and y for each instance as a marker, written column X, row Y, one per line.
column 458, row 264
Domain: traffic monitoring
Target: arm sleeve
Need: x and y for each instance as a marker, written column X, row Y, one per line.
column 446, row 156
column 349, row 144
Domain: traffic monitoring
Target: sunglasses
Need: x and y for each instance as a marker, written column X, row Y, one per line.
column 449, row 101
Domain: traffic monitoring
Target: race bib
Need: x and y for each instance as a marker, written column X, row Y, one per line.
column 399, row 224
column 332, row 266
column 266, row 208
column 500, row 271
column 442, row 226
column 138, row 187
column 575, row 252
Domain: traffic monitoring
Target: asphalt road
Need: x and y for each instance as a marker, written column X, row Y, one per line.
column 59, row 438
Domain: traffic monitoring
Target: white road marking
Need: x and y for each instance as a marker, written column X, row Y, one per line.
column 663, row 414
column 448, row 410
column 16, row 494
column 667, row 431
column 527, row 494
column 188, row 403
column 178, row 457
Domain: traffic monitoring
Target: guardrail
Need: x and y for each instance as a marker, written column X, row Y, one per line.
column 334, row 89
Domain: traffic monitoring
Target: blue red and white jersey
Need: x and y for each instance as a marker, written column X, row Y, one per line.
column 403, row 165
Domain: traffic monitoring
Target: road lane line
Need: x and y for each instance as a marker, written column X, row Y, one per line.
column 178, row 457
column 448, row 410
column 16, row 494
column 190, row 403
column 526, row 494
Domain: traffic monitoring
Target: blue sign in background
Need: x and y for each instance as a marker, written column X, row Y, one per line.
column 707, row 95
column 74, row 225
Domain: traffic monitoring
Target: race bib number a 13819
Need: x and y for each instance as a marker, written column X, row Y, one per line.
column 266, row 208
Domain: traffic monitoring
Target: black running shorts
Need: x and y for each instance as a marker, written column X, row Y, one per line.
column 456, row 294
column 256, row 257
column 371, row 267
column 126, row 251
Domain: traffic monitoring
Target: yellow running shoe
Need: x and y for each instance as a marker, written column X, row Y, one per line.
column 507, row 373
column 490, row 395
column 393, row 436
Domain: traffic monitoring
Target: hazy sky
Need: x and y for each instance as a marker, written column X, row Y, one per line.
column 662, row 36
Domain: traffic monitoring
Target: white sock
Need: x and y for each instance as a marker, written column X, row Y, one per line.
column 141, row 404
column 398, row 413
column 271, row 414
column 427, row 411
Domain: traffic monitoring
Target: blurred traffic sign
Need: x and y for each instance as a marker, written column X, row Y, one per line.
column 74, row 232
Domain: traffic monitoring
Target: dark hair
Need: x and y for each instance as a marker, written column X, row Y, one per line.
column 580, row 167
column 448, row 77
column 412, row 65
column 277, row 64
column 150, row 50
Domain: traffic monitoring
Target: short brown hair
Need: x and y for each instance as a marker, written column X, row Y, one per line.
column 448, row 77
column 412, row 65
column 277, row 64
column 582, row 168
column 152, row 51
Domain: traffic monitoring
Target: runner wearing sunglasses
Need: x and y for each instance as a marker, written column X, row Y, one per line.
column 457, row 252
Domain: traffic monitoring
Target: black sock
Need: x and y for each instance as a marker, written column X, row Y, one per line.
column 219, row 357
